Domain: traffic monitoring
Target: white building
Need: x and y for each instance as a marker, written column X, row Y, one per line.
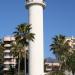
column 8, row 57
column 51, row 65
column 71, row 41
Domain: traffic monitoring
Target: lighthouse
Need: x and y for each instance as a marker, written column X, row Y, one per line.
column 36, row 48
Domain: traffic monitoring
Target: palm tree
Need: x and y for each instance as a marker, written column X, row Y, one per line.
column 71, row 63
column 22, row 38
column 1, row 56
column 60, row 48
column 18, row 53
column 1, row 50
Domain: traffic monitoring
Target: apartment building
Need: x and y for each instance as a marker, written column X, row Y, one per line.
column 71, row 41
column 51, row 65
column 8, row 57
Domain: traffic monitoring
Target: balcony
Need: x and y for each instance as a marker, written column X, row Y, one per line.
column 7, row 45
column 7, row 38
column 5, row 69
column 7, row 62
column 6, row 51
column 56, row 64
column 7, row 57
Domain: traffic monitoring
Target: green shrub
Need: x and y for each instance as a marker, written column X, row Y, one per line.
column 56, row 73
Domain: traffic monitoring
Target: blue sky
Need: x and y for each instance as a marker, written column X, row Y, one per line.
column 59, row 18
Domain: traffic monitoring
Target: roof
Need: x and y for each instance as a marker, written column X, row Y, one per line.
column 51, row 60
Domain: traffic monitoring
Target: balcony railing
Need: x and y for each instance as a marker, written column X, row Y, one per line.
column 6, row 51
column 9, row 62
column 5, row 69
column 7, row 56
column 7, row 45
column 7, row 38
column 6, row 62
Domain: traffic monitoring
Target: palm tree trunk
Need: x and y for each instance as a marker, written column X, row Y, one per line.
column 19, row 65
column 73, row 72
column 25, row 64
column 25, row 59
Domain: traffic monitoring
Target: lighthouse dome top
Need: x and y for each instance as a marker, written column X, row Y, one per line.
column 35, row 2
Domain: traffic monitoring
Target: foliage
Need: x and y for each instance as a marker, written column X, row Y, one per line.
column 60, row 47
column 23, row 34
column 1, row 69
column 71, row 63
column 64, row 53
column 56, row 73
column 11, row 70
column 1, row 50
column 22, row 37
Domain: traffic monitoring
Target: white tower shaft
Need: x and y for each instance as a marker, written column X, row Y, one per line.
column 36, row 47
column 36, row 58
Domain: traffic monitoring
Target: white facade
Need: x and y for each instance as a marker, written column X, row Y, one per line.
column 71, row 41
column 36, row 49
column 8, row 58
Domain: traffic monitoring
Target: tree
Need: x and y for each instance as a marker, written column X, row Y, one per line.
column 1, row 50
column 11, row 70
column 1, row 69
column 1, row 56
column 71, row 63
column 18, row 53
column 56, row 73
column 22, row 38
column 60, row 48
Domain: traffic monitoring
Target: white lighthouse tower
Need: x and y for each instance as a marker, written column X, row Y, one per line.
column 36, row 57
